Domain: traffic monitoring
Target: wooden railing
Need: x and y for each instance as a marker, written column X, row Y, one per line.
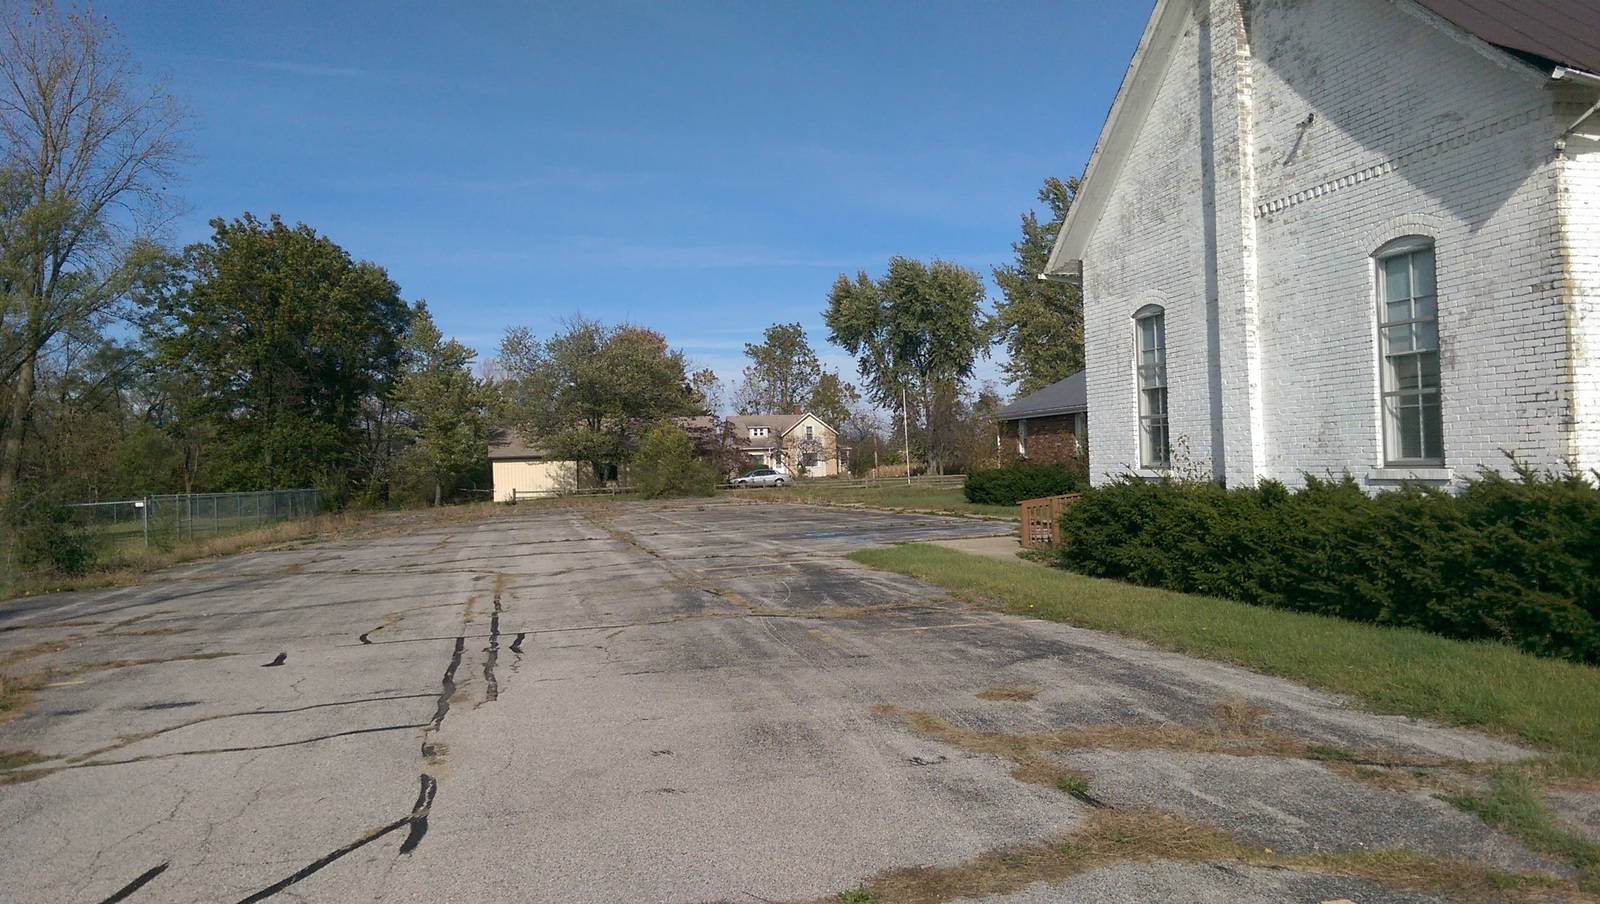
column 1041, row 520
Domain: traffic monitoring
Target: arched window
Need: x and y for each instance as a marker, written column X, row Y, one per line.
column 1408, row 353
column 1155, row 446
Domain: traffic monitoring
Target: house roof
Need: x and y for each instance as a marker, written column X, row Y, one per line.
column 781, row 423
column 506, row 445
column 1561, row 31
column 1566, row 32
column 1069, row 396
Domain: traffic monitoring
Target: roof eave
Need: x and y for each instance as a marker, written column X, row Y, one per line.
column 1135, row 96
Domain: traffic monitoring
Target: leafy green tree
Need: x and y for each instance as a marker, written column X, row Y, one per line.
column 443, row 408
column 86, row 151
column 1040, row 323
column 832, row 399
column 665, row 465
column 783, row 371
column 284, row 339
column 589, row 393
column 917, row 331
column 707, row 390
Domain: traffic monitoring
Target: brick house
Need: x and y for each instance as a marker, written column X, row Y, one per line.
column 1330, row 236
column 1045, row 426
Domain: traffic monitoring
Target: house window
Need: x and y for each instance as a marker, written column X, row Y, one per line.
column 808, row 431
column 1408, row 354
column 1022, row 439
column 1155, row 448
column 757, row 432
column 809, row 459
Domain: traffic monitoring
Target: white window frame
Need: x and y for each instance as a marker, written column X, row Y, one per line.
column 1150, row 383
column 1409, row 378
column 1022, row 438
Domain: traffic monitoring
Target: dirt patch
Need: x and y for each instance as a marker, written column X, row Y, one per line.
column 1007, row 694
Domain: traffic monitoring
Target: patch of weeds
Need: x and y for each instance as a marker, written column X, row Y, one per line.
column 1514, row 806
column 1038, row 556
column 1007, row 694
column 16, row 759
column 17, row 686
column 14, row 763
column 1109, row 837
column 1072, row 784
column 857, row 896
column 1328, row 754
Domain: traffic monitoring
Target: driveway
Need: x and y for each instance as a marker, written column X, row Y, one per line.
column 678, row 702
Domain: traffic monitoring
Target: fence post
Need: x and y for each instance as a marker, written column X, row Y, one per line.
column 144, row 506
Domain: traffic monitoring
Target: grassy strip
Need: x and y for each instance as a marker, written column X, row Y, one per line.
column 130, row 566
column 1546, row 703
column 1513, row 805
column 888, row 495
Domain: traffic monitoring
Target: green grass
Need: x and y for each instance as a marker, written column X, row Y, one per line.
column 887, row 495
column 1550, row 704
column 1072, row 784
column 1513, row 804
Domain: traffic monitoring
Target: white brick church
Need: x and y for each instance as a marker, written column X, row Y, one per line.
column 1330, row 236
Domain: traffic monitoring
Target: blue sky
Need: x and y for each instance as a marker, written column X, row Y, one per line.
column 704, row 169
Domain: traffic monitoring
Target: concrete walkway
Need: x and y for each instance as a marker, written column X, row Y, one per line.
column 1004, row 547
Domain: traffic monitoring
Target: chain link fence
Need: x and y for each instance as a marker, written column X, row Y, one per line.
column 163, row 521
column 56, row 538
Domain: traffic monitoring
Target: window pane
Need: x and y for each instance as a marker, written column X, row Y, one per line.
column 1428, row 364
column 1427, row 334
column 1398, row 338
column 1405, row 373
column 1409, row 422
column 1432, row 427
column 1147, row 335
column 1422, row 272
column 1426, row 308
column 1396, row 311
column 1397, row 278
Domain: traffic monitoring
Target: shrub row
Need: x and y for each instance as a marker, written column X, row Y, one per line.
column 1023, row 480
column 1514, row 560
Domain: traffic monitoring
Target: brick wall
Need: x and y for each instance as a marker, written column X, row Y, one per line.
column 1050, row 439
column 1283, row 148
column 1580, row 191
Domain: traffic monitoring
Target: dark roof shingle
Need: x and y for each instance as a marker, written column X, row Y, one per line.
column 1066, row 397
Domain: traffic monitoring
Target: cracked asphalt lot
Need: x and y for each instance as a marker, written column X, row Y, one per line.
column 626, row 702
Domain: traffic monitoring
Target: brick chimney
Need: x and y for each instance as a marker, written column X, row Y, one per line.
column 797, row 410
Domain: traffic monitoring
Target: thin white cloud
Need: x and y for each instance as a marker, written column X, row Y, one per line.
column 313, row 70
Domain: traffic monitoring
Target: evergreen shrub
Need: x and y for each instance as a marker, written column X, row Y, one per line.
column 1023, row 480
column 1515, row 560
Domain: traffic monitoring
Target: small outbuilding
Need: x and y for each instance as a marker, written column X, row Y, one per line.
column 521, row 471
column 1050, row 425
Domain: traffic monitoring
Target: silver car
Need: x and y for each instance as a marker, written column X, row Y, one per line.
column 761, row 477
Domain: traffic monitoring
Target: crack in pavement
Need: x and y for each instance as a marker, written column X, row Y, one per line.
column 143, row 880
column 416, row 820
column 145, row 736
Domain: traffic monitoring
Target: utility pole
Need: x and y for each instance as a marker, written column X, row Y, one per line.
column 905, row 424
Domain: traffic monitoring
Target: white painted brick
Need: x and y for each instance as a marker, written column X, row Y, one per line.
column 1414, row 132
